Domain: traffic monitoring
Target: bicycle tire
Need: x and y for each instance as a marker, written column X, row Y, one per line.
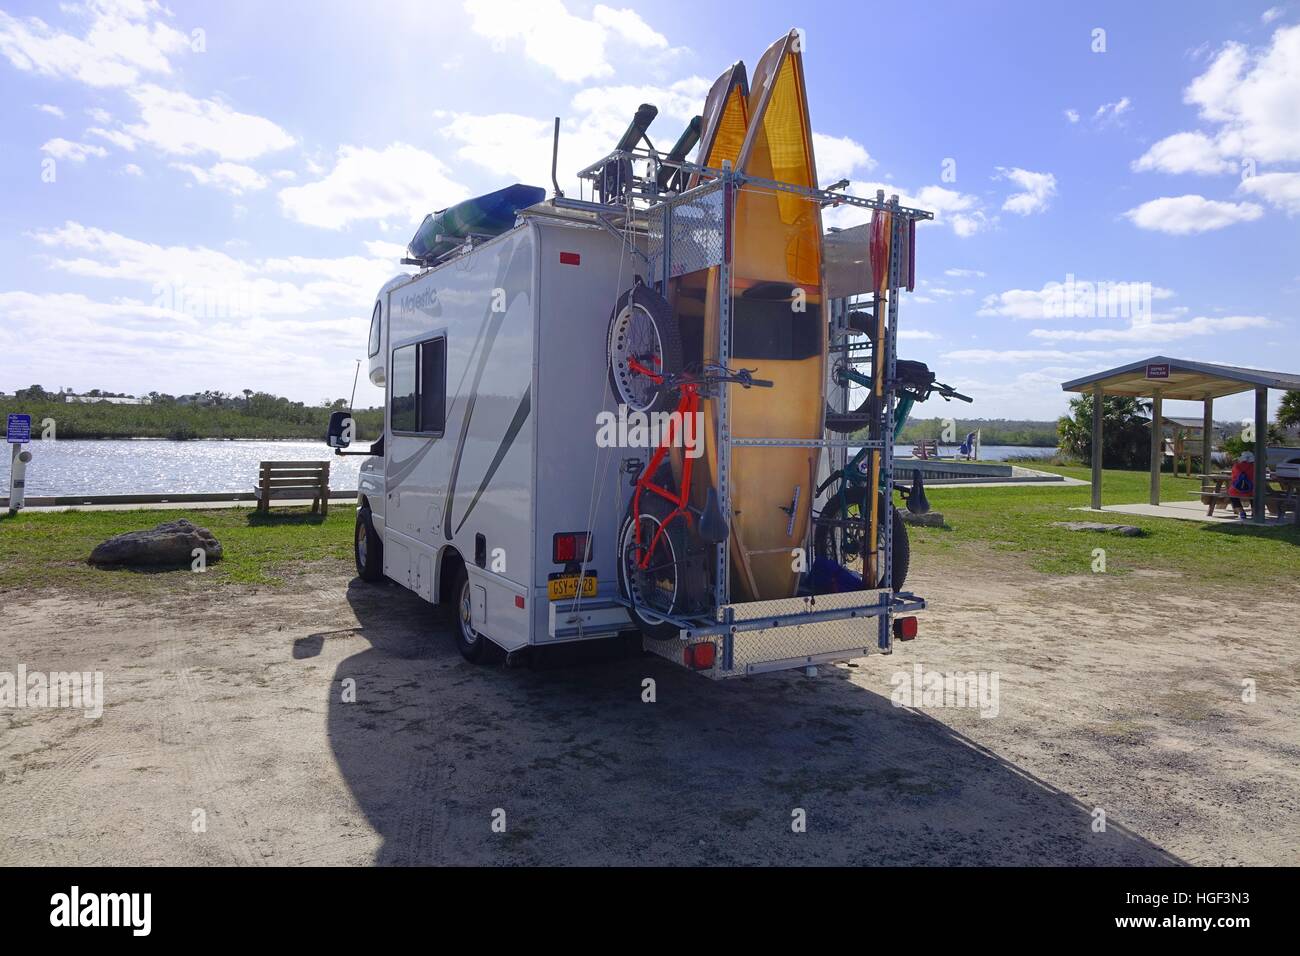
column 626, row 335
column 633, row 584
column 824, row 544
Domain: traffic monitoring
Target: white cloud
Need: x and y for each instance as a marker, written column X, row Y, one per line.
column 1158, row 331
column 839, row 157
column 571, row 47
column 1038, row 189
column 234, row 178
column 73, row 152
column 1072, row 115
column 1271, row 14
column 1186, row 215
column 178, row 124
column 1280, row 189
column 115, row 136
column 1184, row 153
column 1038, row 355
column 50, row 108
column 1109, row 112
column 123, row 42
column 964, row 273
column 917, row 335
column 131, row 169
column 399, row 181
column 100, row 116
column 1255, row 98
column 628, row 25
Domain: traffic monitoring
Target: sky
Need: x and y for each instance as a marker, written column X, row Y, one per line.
column 209, row 196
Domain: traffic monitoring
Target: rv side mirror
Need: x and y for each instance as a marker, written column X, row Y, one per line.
column 340, row 430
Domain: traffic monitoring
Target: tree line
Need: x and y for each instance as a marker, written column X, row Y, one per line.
column 208, row 414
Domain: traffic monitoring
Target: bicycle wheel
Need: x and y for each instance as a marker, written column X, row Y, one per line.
column 643, row 330
column 845, row 544
column 659, row 588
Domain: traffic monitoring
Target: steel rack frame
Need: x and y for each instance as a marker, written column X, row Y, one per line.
column 692, row 229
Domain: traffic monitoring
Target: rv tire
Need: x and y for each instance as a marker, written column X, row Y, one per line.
column 367, row 548
column 471, row 643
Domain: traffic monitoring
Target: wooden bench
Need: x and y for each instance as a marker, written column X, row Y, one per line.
column 926, row 448
column 294, row 479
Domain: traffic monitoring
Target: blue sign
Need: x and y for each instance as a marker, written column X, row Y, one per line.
column 18, row 431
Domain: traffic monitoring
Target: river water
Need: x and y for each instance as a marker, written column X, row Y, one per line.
column 143, row 466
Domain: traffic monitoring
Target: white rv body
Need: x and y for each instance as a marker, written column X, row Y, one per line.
column 524, row 317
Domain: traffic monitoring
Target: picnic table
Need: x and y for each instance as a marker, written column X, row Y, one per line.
column 1280, row 499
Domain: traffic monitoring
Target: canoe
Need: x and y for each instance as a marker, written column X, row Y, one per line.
column 487, row 215
column 778, row 328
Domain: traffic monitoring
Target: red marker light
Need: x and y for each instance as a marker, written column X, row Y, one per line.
column 700, row 656
column 519, row 600
column 570, row 259
column 904, row 628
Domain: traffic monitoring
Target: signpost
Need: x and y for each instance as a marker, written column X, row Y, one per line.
column 1160, row 371
column 18, row 432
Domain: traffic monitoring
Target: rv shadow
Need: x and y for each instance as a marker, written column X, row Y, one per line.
column 581, row 771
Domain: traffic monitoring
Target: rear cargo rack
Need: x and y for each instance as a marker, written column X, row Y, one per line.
column 688, row 230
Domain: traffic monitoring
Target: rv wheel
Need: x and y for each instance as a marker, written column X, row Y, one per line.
column 367, row 548
column 471, row 643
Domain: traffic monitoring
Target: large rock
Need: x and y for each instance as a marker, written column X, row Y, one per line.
column 931, row 519
column 1127, row 530
column 170, row 543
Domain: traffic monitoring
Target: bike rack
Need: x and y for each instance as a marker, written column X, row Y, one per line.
column 688, row 230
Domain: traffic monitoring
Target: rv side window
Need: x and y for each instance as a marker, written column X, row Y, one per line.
column 419, row 388
column 374, row 330
column 401, row 388
column 433, row 385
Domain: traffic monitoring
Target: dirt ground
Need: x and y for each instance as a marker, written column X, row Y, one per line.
column 1122, row 694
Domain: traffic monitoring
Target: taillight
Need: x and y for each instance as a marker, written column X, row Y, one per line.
column 700, row 656
column 904, row 628
column 570, row 259
column 569, row 546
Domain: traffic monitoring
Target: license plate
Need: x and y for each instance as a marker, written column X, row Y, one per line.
column 561, row 586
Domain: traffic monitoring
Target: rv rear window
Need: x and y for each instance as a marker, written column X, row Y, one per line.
column 418, row 388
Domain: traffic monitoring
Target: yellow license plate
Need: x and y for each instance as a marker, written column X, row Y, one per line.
column 561, row 586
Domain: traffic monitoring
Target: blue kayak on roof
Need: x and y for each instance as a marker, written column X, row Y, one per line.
column 488, row 215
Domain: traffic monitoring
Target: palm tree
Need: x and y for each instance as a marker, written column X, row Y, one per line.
column 1126, row 441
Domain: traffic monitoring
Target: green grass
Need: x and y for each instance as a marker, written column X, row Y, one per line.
column 1020, row 520
column 41, row 550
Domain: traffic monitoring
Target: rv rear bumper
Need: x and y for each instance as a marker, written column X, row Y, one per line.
column 760, row 636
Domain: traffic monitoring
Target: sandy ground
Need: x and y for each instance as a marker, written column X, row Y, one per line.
column 1118, row 693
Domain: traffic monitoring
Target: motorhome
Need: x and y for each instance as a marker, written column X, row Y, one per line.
column 505, row 357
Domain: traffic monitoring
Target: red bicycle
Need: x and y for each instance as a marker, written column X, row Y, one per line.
column 665, row 541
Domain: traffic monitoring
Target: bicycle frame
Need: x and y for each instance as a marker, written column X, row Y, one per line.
column 688, row 407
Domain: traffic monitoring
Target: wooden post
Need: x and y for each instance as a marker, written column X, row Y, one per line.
column 1261, row 454
column 1097, row 401
column 1157, row 444
column 1207, row 435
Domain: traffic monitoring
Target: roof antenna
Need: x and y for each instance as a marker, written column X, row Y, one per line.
column 555, row 154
